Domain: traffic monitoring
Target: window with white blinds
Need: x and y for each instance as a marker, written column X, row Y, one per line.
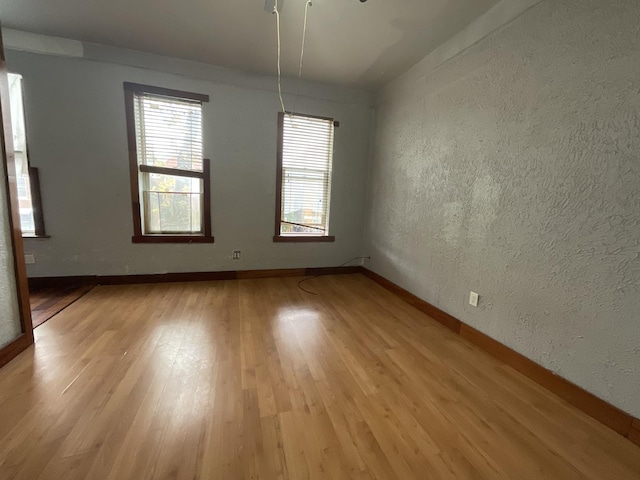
column 305, row 166
column 169, row 132
column 29, row 199
column 172, row 176
column 27, row 222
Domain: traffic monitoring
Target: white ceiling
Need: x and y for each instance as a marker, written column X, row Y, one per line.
column 356, row 44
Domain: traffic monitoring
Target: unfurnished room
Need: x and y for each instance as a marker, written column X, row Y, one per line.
column 320, row 239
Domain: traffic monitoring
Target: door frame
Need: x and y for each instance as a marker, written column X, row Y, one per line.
column 9, row 183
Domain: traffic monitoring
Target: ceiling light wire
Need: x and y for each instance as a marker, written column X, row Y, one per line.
column 304, row 36
column 275, row 10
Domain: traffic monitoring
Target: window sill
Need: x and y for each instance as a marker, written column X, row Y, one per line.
column 36, row 236
column 303, row 239
column 171, row 239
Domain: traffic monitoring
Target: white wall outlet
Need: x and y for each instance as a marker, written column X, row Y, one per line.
column 237, row 254
column 29, row 259
column 473, row 299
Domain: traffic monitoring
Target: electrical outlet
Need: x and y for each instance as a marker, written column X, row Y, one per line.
column 473, row 299
column 237, row 254
column 29, row 259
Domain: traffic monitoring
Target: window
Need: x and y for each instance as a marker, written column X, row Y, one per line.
column 305, row 157
column 29, row 200
column 170, row 181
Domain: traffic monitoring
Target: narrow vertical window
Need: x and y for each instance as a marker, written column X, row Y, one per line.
column 305, row 162
column 170, row 179
column 29, row 199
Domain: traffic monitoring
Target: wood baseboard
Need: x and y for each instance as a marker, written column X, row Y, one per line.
column 597, row 408
column 634, row 435
column 604, row 412
column 444, row 318
column 44, row 282
column 164, row 278
column 12, row 350
column 294, row 272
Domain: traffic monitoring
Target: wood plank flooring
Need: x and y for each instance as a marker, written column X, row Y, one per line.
column 47, row 302
column 254, row 379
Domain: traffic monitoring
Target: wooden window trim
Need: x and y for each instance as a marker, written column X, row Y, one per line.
column 165, row 92
column 167, row 238
column 36, row 201
column 172, row 171
column 130, row 89
column 304, row 238
column 277, row 237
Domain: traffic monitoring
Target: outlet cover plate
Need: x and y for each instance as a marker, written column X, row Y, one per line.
column 473, row 299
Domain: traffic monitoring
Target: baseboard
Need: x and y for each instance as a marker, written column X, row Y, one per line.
column 164, row 278
column 597, row 408
column 604, row 412
column 12, row 350
column 45, row 282
column 634, row 435
column 444, row 318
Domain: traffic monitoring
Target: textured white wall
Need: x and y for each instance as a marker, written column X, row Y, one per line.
column 9, row 313
column 513, row 170
column 77, row 138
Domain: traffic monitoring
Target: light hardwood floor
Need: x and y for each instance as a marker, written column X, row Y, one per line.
column 255, row 379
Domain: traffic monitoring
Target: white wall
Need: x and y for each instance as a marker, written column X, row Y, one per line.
column 513, row 169
column 10, row 327
column 77, row 138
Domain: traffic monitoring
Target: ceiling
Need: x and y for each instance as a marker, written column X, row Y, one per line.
column 362, row 45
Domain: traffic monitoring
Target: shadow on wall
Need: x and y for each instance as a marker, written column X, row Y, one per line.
column 411, row 47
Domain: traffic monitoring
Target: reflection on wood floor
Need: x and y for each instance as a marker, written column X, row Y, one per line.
column 248, row 379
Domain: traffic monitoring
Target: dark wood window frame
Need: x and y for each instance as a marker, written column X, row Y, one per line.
column 130, row 89
column 277, row 237
column 36, row 201
column 36, row 205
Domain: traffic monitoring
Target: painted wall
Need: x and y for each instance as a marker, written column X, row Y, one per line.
column 9, row 313
column 513, row 170
column 77, row 138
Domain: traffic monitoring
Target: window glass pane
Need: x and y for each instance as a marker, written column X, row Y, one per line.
column 27, row 222
column 307, row 154
column 172, row 204
column 303, row 200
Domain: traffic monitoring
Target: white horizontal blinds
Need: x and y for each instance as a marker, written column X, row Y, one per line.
column 169, row 132
column 307, row 155
column 169, row 136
